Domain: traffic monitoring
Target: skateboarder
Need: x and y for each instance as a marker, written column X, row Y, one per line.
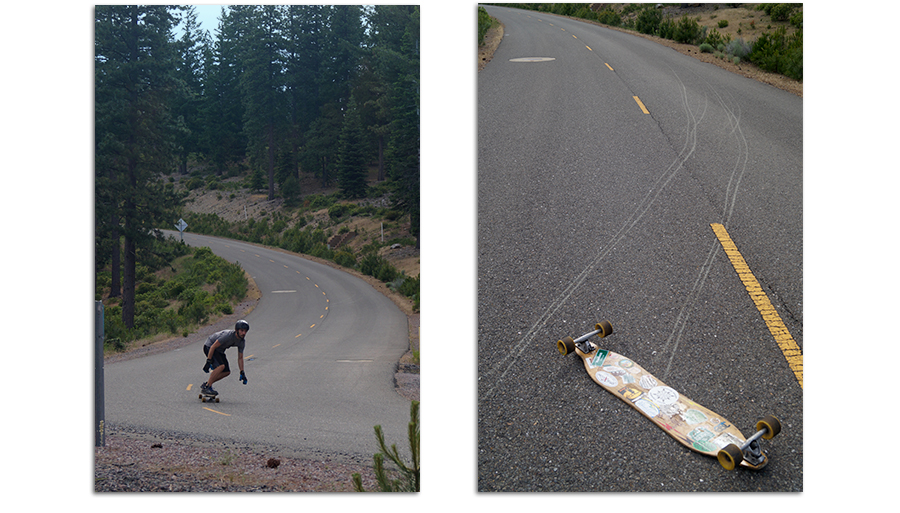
column 214, row 349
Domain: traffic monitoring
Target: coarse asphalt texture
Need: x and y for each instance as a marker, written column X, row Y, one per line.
column 591, row 209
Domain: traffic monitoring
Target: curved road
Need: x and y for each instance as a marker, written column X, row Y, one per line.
column 320, row 358
column 603, row 162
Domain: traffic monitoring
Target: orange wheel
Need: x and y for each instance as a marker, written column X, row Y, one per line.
column 565, row 346
column 772, row 426
column 605, row 328
column 730, row 457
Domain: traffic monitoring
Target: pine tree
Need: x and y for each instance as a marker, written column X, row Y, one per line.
column 262, row 88
column 351, row 159
column 403, row 148
column 134, row 129
column 193, row 47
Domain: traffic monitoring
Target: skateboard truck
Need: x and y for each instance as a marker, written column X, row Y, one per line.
column 568, row 344
column 750, row 451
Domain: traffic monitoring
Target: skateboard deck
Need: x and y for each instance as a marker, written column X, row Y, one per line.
column 208, row 397
column 693, row 425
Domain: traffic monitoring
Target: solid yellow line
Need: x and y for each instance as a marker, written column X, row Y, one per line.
column 608, row 66
column 214, row 411
column 641, row 105
column 792, row 352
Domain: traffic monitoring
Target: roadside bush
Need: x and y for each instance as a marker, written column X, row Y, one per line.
column 379, row 268
column 609, row 17
column 173, row 305
column 714, row 38
column 779, row 53
column 345, row 258
column 706, row 48
column 687, row 30
column 738, row 48
column 485, row 22
column 667, row 28
column 407, row 474
column 648, row 21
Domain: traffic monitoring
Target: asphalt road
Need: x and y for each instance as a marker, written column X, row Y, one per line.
column 590, row 208
column 319, row 357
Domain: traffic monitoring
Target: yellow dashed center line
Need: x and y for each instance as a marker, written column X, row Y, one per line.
column 640, row 104
column 608, row 66
column 790, row 349
column 214, row 411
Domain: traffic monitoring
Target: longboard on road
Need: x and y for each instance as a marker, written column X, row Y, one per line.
column 208, row 397
column 693, row 425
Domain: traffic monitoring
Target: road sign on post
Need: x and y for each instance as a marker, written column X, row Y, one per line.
column 99, row 407
column 181, row 225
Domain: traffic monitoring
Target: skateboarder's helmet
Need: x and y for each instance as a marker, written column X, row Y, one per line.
column 241, row 325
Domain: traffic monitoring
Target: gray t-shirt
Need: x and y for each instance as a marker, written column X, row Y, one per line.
column 226, row 338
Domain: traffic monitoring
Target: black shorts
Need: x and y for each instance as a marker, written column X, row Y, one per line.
column 218, row 358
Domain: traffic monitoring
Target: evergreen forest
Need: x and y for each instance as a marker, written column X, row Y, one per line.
column 273, row 92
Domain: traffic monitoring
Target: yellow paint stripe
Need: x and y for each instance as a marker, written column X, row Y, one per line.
column 573, row 35
column 248, row 357
column 608, row 66
column 641, row 105
column 792, row 352
column 214, row 411
column 276, row 345
column 298, row 336
column 588, row 47
column 189, row 387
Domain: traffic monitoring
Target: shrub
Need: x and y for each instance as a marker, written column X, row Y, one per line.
column 778, row 53
column 409, row 473
column 648, row 21
column 706, row 48
column 780, row 12
column 485, row 22
column 345, row 258
column 716, row 39
column 667, row 28
column 609, row 17
column 723, row 23
column 337, row 211
column 738, row 48
column 687, row 30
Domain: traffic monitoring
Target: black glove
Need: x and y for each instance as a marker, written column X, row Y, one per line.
column 243, row 377
column 208, row 365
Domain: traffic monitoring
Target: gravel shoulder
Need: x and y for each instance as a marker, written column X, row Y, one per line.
column 134, row 461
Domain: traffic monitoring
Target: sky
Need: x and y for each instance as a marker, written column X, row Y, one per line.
column 208, row 17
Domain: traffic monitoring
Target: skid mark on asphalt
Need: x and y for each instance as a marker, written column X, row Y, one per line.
column 662, row 182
